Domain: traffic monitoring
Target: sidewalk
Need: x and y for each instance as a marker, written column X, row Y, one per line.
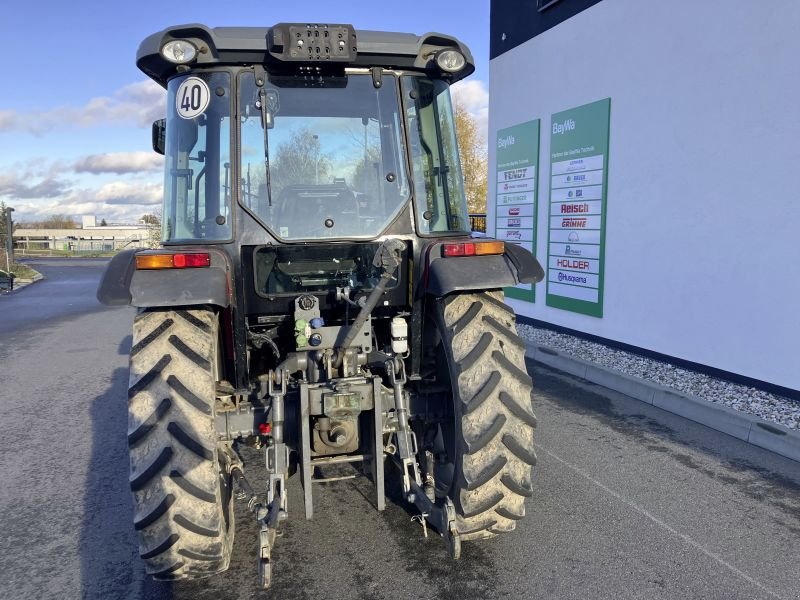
column 746, row 427
column 21, row 283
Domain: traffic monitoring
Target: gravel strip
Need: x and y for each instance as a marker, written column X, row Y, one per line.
column 769, row 407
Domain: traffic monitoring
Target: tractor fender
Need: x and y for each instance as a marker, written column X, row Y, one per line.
column 114, row 288
column 456, row 274
column 123, row 284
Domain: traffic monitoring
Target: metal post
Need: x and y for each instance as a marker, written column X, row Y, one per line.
column 377, row 444
column 306, row 472
column 9, row 238
column 316, row 162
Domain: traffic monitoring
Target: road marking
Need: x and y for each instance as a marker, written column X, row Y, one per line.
column 661, row 523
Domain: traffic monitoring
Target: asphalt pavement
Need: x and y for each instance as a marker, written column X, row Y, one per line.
column 629, row 501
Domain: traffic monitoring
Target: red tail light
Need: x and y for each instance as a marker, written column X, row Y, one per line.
column 173, row 261
column 472, row 248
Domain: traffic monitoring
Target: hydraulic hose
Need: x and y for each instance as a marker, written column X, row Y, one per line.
column 389, row 256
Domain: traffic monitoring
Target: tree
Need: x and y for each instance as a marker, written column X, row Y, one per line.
column 52, row 222
column 299, row 162
column 153, row 222
column 474, row 158
column 103, row 223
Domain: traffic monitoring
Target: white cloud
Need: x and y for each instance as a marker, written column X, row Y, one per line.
column 120, row 163
column 117, row 201
column 20, row 185
column 474, row 97
column 123, row 192
column 139, row 103
column 76, row 206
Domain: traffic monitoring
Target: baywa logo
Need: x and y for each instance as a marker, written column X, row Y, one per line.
column 505, row 141
column 563, row 127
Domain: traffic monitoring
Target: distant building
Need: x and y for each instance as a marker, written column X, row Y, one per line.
column 90, row 238
column 647, row 152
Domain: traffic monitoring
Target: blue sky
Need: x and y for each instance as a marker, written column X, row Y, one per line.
column 75, row 111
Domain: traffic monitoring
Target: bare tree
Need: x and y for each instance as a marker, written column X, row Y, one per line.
column 51, row 222
column 474, row 158
column 299, row 162
column 153, row 222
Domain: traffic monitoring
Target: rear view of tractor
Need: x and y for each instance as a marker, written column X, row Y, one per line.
column 317, row 294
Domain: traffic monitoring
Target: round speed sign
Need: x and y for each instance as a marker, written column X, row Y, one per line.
column 192, row 98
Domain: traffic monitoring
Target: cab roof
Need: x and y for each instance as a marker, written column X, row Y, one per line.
column 225, row 46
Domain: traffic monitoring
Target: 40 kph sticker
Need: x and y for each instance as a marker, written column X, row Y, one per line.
column 192, row 98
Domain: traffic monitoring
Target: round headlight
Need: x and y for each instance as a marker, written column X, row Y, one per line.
column 179, row 51
column 451, row 61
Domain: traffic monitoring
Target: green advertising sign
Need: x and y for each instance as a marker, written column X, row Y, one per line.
column 515, row 198
column 577, row 208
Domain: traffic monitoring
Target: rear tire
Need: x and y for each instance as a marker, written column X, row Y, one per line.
column 489, row 445
column 178, row 475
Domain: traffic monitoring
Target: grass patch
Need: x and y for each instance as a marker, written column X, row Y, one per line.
column 20, row 271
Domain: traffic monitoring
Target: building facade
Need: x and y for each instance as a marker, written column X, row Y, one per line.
column 647, row 152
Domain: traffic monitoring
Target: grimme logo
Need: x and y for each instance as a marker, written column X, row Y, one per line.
column 561, row 128
column 570, row 222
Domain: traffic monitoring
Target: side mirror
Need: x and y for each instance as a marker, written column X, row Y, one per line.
column 159, row 135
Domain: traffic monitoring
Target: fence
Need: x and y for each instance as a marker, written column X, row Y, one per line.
column 74, row 246
column 477, row 222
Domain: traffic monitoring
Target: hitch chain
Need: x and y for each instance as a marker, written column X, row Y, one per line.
column 442, row 517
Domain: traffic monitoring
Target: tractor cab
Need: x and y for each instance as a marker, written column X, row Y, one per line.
column 313, row 131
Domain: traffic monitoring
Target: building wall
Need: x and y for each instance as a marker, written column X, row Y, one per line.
column 703, row 204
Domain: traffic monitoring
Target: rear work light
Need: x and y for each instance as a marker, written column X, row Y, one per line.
column 473, row 248
column 173, row 261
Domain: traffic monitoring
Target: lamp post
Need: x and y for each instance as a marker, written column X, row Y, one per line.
column 9, row 238
column 316, row 162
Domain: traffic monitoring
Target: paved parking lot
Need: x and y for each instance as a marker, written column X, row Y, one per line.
column 629, row 502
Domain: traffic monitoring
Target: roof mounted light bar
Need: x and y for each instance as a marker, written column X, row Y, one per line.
column 316, row 43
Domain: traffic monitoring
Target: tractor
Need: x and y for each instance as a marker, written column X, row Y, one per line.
column 317, row 294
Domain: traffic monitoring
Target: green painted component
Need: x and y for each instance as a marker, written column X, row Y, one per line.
column 516, row 198
column 301, row 340
column 300, row 326
column 577, row 208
